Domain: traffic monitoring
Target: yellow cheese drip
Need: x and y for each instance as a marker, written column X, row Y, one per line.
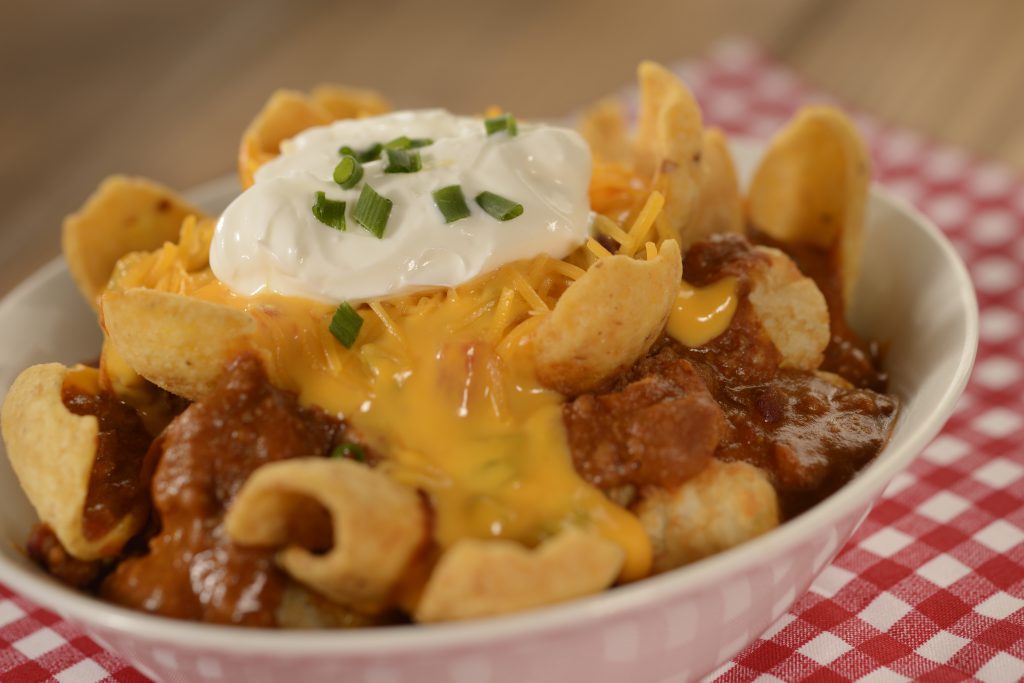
column 84, row 379
column 437, row 384
column 702, row 313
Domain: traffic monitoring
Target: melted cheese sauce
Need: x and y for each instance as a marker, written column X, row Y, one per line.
column 702, row 313
column 443, row 385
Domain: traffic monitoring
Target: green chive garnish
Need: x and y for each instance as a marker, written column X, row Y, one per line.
column 498, row 207
column 398, row 143
column 405, row 142
column 372, row 153
column 345, row 325
column 401, row 161
column 451, row 203
column 348, row 172
column 352, row 451
column 329, row 211
column 505, row 122
column 372, row 211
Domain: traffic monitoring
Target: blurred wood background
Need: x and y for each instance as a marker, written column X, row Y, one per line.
column 164, row 89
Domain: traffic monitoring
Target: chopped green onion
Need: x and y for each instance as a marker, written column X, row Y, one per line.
column 499, row 207
column 398, row 143
column 349, row 450
column 401, row 161
column 405, row 142
column 348, row 172
column 451, row 203
column 372, row 153
column 505, row 122
column 372, row 211
column 345, row 325
column 329, row 211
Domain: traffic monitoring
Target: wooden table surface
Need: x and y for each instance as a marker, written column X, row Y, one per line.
column 164, row 90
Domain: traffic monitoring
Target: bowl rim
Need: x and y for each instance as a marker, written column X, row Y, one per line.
column 368, row 642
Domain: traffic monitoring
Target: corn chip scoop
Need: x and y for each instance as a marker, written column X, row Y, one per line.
column 811, row 188
column 123, row 215
column 580, row 347
column 378, row 526
column 288, row 113
column 69, row 463
column 670, row 153
column 478, row 578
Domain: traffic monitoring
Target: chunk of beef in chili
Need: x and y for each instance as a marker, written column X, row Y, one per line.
column 744, row 349
column 848, row 354
column 810, row 432
column 192, row 570
column 121, row 471
column 659, row 427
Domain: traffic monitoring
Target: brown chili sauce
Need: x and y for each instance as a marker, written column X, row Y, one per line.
column 120, row 471
column 810, row 432
column 191, row 569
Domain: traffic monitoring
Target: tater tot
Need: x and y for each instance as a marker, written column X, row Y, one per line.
column 723, row 506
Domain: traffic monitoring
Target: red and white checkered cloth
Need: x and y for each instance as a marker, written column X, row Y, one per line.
column 932, row 585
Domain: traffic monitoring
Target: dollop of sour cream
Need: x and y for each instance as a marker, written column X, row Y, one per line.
column 268, row 239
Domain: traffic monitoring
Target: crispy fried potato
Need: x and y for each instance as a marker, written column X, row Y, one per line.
column 669, row 145
column 52, row 451
column 723, row 506
column 123, row 215
column 812, row 186
column 606, row 320
column 478, row 578
column 378, row 525
column 302, row 608
column 719, row 205
column 604, row 128
column 288, row 112
column 176, row 342
column 791, row 309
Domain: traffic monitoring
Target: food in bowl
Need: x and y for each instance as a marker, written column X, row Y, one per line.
column 433, row 367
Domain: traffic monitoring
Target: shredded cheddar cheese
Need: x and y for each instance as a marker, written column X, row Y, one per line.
column 597, row 249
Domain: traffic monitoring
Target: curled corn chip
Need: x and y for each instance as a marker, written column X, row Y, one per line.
column 288, row 112
column 477, row 578
column 791, row 309
column 811, row 187
column 719, row 207
column 53, row 451
column 123, row 215
column 378, row 525
column 669, row 145
column 606, row 320
column 178, row 343
column 604, row 128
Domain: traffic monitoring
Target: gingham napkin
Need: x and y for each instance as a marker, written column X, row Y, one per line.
column 932, row 585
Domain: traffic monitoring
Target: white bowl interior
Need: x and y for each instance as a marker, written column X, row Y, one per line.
column 914, row 294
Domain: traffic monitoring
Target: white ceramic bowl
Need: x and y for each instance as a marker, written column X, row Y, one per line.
column 914, row 293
